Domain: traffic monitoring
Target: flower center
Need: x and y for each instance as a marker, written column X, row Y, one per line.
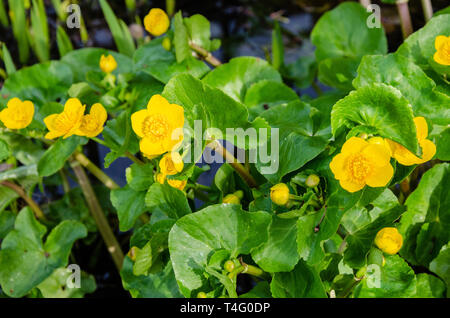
column 156, row 127
column 19, row 117
column 359, row 167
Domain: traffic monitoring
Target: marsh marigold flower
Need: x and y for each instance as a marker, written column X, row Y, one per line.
column 156, row 22
column 442, row 46
column 108, row 63
column 66, row 123
column 178, row 184
column 92, row 124
column 361, row 162
column 231, row 199
column 406, row 157
column 389, row 240
column 159, row 126
column 279, row 194
column 171, row 163
column 17, row 114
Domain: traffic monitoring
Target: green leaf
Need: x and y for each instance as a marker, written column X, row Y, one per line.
column 419, row 46
column 235, row 77
column 19, row 27
column 130, row 204
column 40, row 83
column 39, row 35
column 139, row 177
column 338, row 72
column 62, row 39
column 442, row 142
column 158, row 285
column 277, row 47
column 266, row 94
column 410, row 80
column 279, row 253
column 7, row 219
column 298, row 144
column 85, row 60
column 5, row 152
column 153, row 59
column 261, row 290
column 394, row 280
column 441, row 266
column 335, row 36
column 119, row 30
column 25, row 261
column 168, row 200
column 55, row 157
column 302, row 282
column 6, row 197
column 196, row 236
column 55, row 286
column 381, row 108
column 7, row 59
column 303, row 71
column 181, row 38
column 199, row 31
column 429, row 286
column 360, row 242
column 424, row 226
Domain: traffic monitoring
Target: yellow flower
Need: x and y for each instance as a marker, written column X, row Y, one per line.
column 442, row 45
column 389, row 240
column 159, row 126
column 17, row 114
column 156, row 22
column 406, row 157
column 279, row 194
column 66, row 123
column 92, row 124
column 178, row 184
column 231, row 199
column 361, row 163
column 171, row 163
column 108, row 63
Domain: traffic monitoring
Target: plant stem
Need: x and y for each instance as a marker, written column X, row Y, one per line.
column 229, row 158
column 65, row 181
column 427, row 9
column 96, row 171
column 21, row 192
column 98, row 215
column 317, row 88
column 405, row 17
column 204, row 54
column 365, row 3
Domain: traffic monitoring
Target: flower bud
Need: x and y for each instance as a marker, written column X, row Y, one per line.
column 312, row 181
column 231, row 199
column 156, row 22
column 108, row 63
column 279, row 194
column 389, row 240
column 167, row 44
column 229, row 266
column 202, row 295
column 132, row 253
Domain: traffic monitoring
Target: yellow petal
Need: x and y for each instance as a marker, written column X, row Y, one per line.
column 151, row 148
column 99, row 112
column 441, row 58
column 421, row 127
column 379, row 155
column 440, row 41
column 353, row 145
column 381, row 141
column 337, row 166
column 380, row 176
column 428, row 150
column 404, row 156
column 137, row 121
column 351, row 186
column 174, row 114
column 157, row 104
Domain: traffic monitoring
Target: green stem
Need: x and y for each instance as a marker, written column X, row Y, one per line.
column 65, row 181
column 405, row 17
column 232, row 161
column 317, row 88
column 427, row 9
column 21, row 192
column 96, row 171
column 204, row 54
column 98, row 215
